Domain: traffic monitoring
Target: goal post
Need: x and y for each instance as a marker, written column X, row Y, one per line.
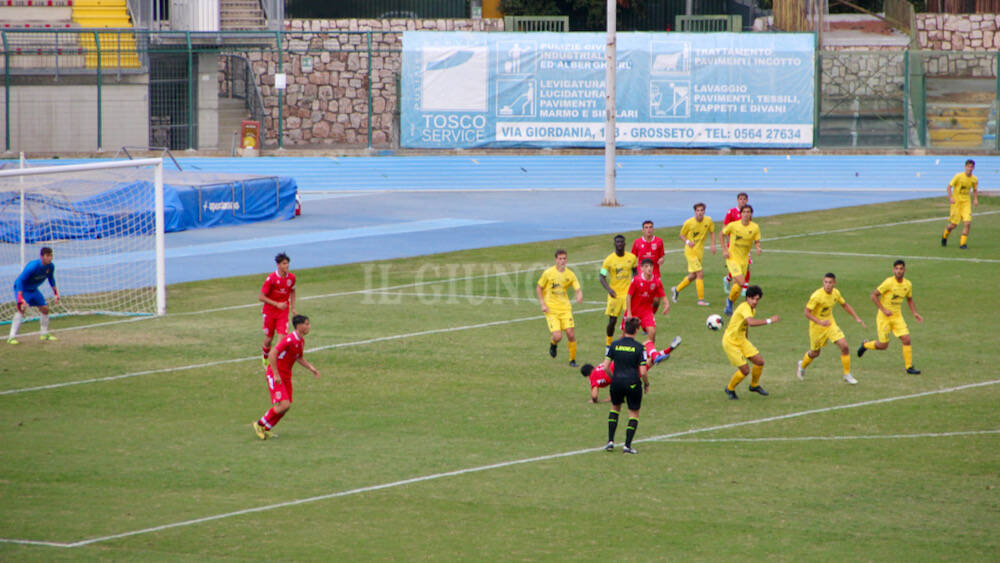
column 105, row 224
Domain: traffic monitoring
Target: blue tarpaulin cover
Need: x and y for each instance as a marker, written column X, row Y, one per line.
column 185, row 207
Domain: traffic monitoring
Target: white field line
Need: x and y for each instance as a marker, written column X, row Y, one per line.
column 480, row 298
column 257, row 358
column 497, row 274
column 831, row 438
column 324, row 296
column 889, row 256
column 479, row 469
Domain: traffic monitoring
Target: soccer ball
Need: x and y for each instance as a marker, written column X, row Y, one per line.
column 714, row 322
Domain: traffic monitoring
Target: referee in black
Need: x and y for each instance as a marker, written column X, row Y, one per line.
column 629, row 358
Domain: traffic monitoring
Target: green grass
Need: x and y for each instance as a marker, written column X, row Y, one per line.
column 98, row 459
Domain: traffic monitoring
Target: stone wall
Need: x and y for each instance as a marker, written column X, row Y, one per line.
column 330, row 104
column 973, row 40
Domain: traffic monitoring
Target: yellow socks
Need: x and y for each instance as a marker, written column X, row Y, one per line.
column 736, row 379
column 870, row 345
column 908, row 356
column 684, row 283
column 700, row 284
column 946, row 233
column 845, row 360
column 734, row 291
column 806, row 360
column 755, row 372
column 963, row 240
column 608, row 341
column 572, row 350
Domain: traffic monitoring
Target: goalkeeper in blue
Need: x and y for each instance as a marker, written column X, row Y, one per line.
column 27, row 294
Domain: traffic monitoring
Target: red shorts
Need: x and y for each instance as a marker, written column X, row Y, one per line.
column 646, row 319
column 276, row 322
column 279, row 392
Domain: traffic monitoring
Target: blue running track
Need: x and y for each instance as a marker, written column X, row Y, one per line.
column 361, row 209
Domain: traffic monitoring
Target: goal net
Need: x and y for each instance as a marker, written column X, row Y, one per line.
column 104, row 222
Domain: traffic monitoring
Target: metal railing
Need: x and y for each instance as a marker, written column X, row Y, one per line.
column 238, row 81
column 733, row 23
column 343, row 89
column 536, row 23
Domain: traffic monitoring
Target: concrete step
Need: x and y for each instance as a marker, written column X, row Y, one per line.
column 955, row 135
column 12, row 14
column 956, row 110
column 961, row 122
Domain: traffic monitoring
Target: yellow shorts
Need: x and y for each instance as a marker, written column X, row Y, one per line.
column 616, row 305
column 894, row 324
column 559, row 321
column 736, row 267
column 961, row 211
column 694, row 262
column 820, row 336
column 739, row 353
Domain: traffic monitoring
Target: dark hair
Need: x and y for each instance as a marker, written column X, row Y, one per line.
column 970, row 161
column 697, row 205
column 586, row 370
column 747, row 206
column 898, row 263
column 299, row 319
column 46, row 251
column 619, row 237
column 632, row 325
column 830, row 275
column 647, row 222
column 559, row 251
column 281, row 257
column 647, row 261
column 744, row 194
column 754, row 291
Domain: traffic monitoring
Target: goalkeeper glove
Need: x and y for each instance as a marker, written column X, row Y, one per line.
column 21, row 305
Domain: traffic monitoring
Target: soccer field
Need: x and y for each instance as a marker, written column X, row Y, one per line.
column 441, row 428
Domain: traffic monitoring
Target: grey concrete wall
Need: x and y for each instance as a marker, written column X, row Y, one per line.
column 208, row 101
column 50, row 116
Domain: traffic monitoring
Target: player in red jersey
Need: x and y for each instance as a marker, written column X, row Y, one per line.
column 649, row 246
column 735, row 214
column 279, row 375
column 600, row 377
column 278, row 296
column 645, row 294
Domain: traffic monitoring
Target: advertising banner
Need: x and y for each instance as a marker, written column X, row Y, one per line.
column 465, row 90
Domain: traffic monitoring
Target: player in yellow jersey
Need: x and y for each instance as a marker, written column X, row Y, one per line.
column 620, row 267
column 823, row 327
column 961, row 207
column 737, row 238
column 739, row 350
column 552, row 296
column 888, row 297
column 694, row 232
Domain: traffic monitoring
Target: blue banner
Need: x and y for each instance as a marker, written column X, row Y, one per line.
column 465, row 90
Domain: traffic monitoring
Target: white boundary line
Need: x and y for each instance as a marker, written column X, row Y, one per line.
column 383, row 289
column 479, row 469
column 257, row 358
column 464, row 278
column 867, row 255
column 832, row 438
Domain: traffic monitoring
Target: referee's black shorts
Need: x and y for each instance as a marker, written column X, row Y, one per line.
column 623, row 390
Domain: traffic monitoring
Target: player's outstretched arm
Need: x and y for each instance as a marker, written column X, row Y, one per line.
column 604, row 282
column 302, row 361
column 913, row 309
column 850, row 311
column 541, row 299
